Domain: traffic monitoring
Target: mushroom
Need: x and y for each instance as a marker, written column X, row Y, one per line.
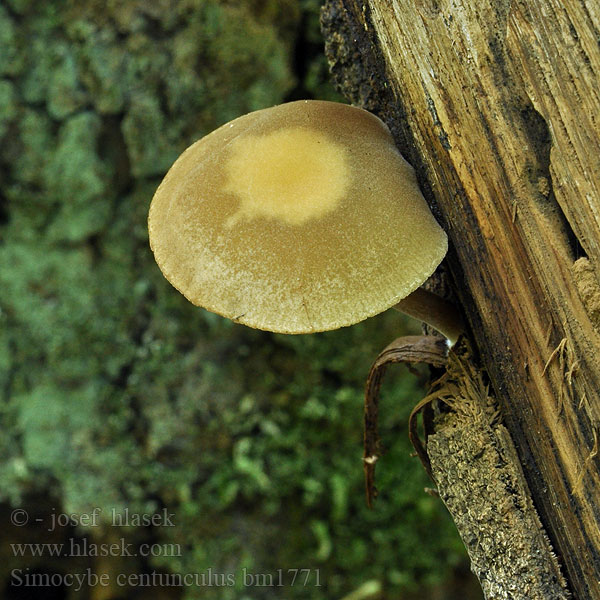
column 299, row 218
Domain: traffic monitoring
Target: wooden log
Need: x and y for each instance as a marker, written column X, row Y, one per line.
column 497, row 105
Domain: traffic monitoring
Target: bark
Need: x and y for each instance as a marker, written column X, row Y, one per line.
column 496, row 104
column 479, row 478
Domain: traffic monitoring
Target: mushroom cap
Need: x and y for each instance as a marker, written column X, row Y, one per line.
column 298, row 218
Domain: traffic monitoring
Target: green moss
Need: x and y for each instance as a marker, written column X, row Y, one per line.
column 77, row 180
column 145, row 130
column 20, row 6
column 66, row 94
column 54, row 421
column 104, row 69
column 8, row 105
column 36, row 141
column 10, row 60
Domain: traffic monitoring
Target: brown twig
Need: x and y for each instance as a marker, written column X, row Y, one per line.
column 432, row 350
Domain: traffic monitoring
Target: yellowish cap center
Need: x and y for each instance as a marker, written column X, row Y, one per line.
column 293, row 174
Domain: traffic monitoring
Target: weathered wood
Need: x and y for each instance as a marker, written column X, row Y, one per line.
column 497, row 105
column 479, row 478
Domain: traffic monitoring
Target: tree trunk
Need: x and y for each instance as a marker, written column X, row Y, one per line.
column 497, row 105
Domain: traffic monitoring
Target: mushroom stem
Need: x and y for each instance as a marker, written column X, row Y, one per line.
column 433, row 310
